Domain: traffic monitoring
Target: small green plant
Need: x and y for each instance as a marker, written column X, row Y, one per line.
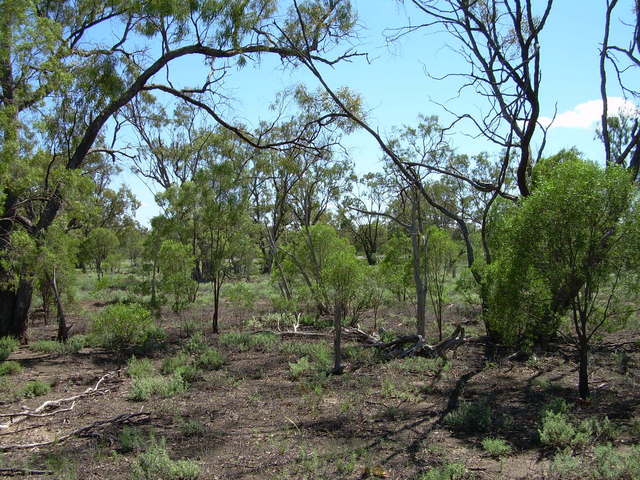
column 320, row 354
column 189, row 373
column 473, row 417
column 143, row 388
column 34, row 388
column 9, row 368
column 566, row 466
column 496, row 447
column 73, row 345
column 210, row 359
column 155, row 464
column 451, row 471
column 555, row 405
column 196, row 343
column 249, row 341
column 420, row 365
column 64, row 468
column 131, row 440
column 170, row 364
column 299, row 368
column 7, row 346
column 193, row 428
column 612, row 463
column 139, row 367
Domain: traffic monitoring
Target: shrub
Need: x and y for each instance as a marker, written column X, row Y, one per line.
column 452, row 471
column 34, row 388
column 193, row 428
column 419, row 364
column 210, row 359
column 470, row 417
column 155, row 464
column 555, row 405
column 7, row 346
column 9, row 367
column 142, row 367
column 566, row 466
column 496, row 447
column 189, row 373
column 557, row 430
column 611, row 463
column 121, row 326
column 143, row 388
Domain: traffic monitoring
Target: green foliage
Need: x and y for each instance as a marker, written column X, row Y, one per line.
column 7, row 346
column 318, row 353
column 73, row 345
column 470, row 417
column 615, row 464
column 9, row 368
column 451, row 471
column 171, row 364
column 396, row 266
column 145, row 387
column 155, row 464
column 176, row 264
column 562, row 242
column 99, row 244
column 210, row 359
column 131, row 439
column 566, row 466
column 241, row 294
column 121, row 326
column 247, row 341
column 139, row 367
column 196, row 343
column 496, row 447
column 300, row 368
column 193, row 428
column 34, row 388
column 555, row 405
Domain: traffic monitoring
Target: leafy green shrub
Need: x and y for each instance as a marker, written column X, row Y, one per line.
column 143, row 388
column 9, row 368
column 299, row 368
column 451, row 471
column 210, row 359
column 473, row 417
column 137, row 368
column 122, row 326
column 155, row 464
column 169, row 365
column 7, row 346
column 555, row 405
column 34, row 388
column 557, row 430
column 496, row 447
column 189, row 373
column 247, row 341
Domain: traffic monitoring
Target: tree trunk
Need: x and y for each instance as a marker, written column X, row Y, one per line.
column 216, row 305
column 63, row 331
column 337, row 339
column 583, row 370
column 14, row 310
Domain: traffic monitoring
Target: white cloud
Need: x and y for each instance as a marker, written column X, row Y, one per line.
column 586, row 114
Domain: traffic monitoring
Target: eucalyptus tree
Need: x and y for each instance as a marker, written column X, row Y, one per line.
column 76, row 64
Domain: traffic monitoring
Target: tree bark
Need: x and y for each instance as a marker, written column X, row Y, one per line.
column 583, row 370
column 337, row 338
column 14, row 310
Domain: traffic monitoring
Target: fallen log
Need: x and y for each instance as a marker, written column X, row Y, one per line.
column 414, row 345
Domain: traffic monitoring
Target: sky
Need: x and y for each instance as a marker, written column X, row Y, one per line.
column 395, row 85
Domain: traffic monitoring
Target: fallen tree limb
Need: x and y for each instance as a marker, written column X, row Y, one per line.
column 41, row 411
column 414, row 345
column 123, row 418
column 23, row 471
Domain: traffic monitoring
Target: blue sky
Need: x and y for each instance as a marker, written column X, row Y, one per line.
column 396, row 89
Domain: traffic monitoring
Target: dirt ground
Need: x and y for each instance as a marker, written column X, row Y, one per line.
column 252, row 420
